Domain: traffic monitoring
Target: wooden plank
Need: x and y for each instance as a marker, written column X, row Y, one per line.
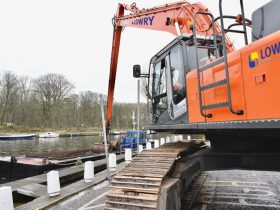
column 148, row 167
column 163, row 173
column 137, row 178
column 137, row 183
column 108, row 208
column 147, row 198
column 152, row 168
column 132, row 204
column 122, row 173
column 134, row 189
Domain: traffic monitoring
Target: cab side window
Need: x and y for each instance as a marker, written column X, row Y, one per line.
column 159, row 88
column 177, row 74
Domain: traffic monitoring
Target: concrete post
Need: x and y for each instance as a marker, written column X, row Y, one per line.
column 89, row 171
column 53, row 183
column 128, row 155
column 167, row 140
column 173, row 138
column 140, row 148
column 156, row 143
column 162, row 141
column 6, row 198
column 148, row 145
column 112, row 162
column 180, row 138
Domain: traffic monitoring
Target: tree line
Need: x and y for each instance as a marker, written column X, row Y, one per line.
column 50, row 101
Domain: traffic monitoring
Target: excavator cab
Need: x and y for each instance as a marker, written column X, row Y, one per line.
column 168, row 69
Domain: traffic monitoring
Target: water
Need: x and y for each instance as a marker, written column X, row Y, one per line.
column 22, row 147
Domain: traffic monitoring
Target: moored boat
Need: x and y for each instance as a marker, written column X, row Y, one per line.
column 48, row 135
column 130, row 139
column 18, row 137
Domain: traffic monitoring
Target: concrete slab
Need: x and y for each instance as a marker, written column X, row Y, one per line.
column 34, row 190
column 66, row 192
column 63, row 174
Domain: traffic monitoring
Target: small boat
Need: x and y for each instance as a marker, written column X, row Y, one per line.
column 18, row 137
column 130, row 139
column 48, row 135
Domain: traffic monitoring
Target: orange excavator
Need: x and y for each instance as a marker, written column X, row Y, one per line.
column 200, row 84
column 221, row 92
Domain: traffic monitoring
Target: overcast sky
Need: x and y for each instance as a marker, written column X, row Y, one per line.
column 73, row 37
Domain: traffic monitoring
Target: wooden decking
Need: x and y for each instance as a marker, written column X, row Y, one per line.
column 138, row 185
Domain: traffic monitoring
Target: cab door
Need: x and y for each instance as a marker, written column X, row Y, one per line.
column 176, row 86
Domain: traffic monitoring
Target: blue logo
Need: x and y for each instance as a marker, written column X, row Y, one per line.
column 255, row 57
column 144, row 21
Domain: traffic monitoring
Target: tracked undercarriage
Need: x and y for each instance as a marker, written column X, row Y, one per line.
column 163, row 178
column 147, row 182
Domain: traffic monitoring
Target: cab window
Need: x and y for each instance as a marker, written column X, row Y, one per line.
column 204, row 56
column 177, row 74
column 159, row 88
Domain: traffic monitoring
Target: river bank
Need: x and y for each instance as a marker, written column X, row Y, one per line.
column 69, row 132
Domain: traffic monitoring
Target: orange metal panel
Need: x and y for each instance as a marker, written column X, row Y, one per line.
column 261, row 72
column 219, row 94
column 193, row 99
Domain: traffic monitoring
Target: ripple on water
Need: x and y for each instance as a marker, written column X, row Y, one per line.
column 22, row 147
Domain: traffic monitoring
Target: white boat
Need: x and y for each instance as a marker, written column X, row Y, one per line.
column 48, row 135
column 18, row 137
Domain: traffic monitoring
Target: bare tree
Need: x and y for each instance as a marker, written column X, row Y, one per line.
column 23, row 106
column 50, row 90
column 9, row 90
column 144, row 88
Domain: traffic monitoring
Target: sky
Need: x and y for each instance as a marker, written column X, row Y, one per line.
column 74, row 37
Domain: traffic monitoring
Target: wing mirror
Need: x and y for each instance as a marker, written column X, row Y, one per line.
column 137, row 71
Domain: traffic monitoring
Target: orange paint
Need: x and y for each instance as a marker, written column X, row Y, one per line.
column 255, row 90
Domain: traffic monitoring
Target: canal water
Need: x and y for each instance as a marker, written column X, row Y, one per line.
column 37, row 145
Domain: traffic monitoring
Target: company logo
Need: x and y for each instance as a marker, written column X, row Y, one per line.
column 253, row 60
column 143, row 21
column 257, row 58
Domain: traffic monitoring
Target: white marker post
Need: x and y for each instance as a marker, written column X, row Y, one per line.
column 89, row 171
column 156, row 143
column 6, row 198
column 167, row 140
column 148, row 145
column 140, row 148
column 162, row 141
column 128, row 155
column 112, row 162
column 53, row 183
column 180, row 138
column 173, row 138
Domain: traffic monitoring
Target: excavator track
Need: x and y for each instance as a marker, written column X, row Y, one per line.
column 138, row 185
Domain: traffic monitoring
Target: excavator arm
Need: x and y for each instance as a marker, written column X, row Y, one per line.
column 175, row 18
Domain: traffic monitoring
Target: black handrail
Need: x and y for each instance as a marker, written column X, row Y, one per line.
column 197, row 61
column 238, row 112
